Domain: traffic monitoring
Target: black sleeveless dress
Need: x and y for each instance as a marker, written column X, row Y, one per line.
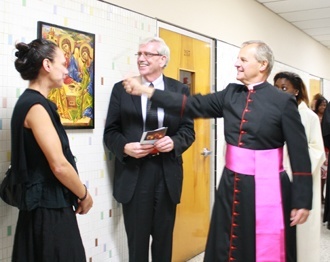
column 47, row 228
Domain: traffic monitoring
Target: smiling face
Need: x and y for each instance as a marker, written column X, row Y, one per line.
column 249, row 69
column 150, row 67
column 321, row 108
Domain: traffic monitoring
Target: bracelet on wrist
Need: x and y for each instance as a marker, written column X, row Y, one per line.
column 84, row 197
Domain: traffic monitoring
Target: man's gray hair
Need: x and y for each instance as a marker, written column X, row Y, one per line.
column 162, row 49
column 264, row 53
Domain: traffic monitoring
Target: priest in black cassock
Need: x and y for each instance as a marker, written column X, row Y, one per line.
column 256, row 206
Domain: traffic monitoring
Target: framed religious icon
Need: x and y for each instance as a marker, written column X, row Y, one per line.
column 75, row 99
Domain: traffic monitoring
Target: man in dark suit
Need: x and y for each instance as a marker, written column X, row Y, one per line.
column 148, row 178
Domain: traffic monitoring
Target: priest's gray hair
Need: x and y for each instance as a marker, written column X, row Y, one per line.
column 264, row 53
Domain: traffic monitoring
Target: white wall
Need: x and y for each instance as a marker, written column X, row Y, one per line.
column 326, row 89
column 235, row 21
column 118, row 32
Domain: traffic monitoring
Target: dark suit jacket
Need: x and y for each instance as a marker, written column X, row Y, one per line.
column 124, row 124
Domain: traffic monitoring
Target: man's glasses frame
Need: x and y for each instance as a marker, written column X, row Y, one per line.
column 147, row 54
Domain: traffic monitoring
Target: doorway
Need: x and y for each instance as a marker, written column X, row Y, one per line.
column 190, row 63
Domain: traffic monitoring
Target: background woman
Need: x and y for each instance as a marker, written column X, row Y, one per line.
column 314, row 99
column 47, row 228
column 308, row 234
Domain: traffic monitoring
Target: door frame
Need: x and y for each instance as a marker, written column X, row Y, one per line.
column 213, row 126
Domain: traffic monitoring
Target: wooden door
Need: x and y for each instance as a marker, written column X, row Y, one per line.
column 314, row 88
column 190, row 63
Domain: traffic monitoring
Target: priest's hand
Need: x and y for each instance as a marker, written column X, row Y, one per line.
column 133, row 86
column 298, row 216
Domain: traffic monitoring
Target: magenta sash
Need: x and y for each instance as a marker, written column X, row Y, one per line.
column 265, row 165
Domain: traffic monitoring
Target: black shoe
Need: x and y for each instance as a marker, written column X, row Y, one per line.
column 328, row 225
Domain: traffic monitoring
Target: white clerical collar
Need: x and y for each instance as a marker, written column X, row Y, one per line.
column 250, row 86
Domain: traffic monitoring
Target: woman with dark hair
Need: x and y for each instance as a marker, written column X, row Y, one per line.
column 309, row 233
column 314, row 99
column 320, row 105
column 47, row 228
column 293, row 84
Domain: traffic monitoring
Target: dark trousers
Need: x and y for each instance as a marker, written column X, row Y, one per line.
column 151, row 212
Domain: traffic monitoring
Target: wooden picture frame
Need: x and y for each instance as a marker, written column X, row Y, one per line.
column 75, row 100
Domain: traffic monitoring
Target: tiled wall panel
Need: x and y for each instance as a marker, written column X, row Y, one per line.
column 118, row 32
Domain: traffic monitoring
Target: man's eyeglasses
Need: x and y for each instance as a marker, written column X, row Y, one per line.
column 147, row 54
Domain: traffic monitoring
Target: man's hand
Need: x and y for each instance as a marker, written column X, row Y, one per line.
column 298, row 216
column 164, row 144
column 137, row 150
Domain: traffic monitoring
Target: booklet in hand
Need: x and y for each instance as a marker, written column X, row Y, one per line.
column 150, row 137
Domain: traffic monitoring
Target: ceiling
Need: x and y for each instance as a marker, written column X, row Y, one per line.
column 310, row 16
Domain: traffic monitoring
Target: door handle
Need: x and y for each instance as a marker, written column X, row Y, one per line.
column 206, row 152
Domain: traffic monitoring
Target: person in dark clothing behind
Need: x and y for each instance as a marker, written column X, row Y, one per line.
column 325, row 125
column 320, row 106
column 256, row 207
column 148, row 178
column 47, row 228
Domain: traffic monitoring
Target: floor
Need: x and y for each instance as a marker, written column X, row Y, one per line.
column 325, row 244
column 325, row 247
